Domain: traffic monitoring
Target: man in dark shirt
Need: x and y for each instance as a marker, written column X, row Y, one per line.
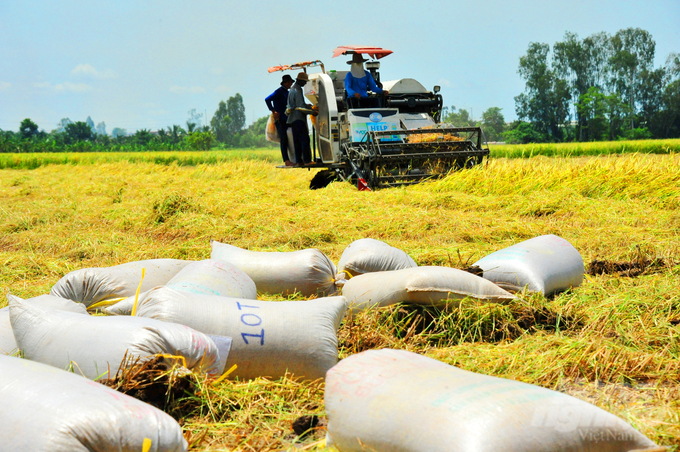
column 276, row 102
column 298, row 110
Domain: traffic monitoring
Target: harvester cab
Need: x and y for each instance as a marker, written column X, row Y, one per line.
column 390, row 140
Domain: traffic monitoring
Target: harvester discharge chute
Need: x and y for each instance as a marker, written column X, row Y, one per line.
column 396, row 139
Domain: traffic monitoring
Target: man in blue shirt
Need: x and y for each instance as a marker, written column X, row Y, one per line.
column 298, row 110
column 357, row 82
column 276, row 102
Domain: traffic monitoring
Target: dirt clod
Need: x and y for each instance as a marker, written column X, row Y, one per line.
column 304, row 424
column 630, row 269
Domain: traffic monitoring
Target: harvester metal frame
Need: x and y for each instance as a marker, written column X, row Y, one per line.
column 366, row 159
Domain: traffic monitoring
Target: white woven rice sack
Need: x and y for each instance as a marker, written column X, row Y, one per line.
column 52, row 302
column 370, row 255
column 546, row 264
column 48, row 410
column 268, row 337
column 437, row 286
column 8, row 344
column 214, row 277
column 394, row 400
column 309, row 271
column 206, row 277
column 93, row 285
column 95, row 345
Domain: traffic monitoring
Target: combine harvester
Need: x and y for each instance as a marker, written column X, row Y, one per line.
column 398, row 142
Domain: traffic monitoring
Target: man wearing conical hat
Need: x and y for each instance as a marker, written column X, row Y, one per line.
column 277, row 102
column 357, row 82
column 298, row 110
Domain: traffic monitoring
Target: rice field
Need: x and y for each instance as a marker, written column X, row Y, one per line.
column 192, row 158
column 587, row 148
column 614, row 341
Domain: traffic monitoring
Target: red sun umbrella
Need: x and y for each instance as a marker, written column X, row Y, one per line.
column 374, row 52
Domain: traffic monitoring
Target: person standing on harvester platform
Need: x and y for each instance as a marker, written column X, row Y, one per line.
column 277, row 102
column 297, row 111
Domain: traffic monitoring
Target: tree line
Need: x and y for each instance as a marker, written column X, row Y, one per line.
column 226, row 130
column 602, row 87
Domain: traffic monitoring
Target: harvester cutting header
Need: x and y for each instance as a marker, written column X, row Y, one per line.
column 377, row 133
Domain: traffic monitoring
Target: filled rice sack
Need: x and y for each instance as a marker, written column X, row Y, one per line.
column 45, row 409
column 545, row 264
column 394, row 400
column 436, row 286
column 370, row 255
column 8, row 344
column 206, row 277
column 269, row 338
column 95, row 346
column 92, row 286
column 309, row 271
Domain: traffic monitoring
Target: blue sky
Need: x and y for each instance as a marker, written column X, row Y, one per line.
column 145, row 64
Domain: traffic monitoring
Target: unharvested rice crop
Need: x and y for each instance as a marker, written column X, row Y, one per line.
column 614, row 341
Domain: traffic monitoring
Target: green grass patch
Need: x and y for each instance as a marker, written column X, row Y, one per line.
column 586, row 149
column 180, row 158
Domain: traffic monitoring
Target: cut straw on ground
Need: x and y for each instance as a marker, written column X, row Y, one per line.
column 613, row 341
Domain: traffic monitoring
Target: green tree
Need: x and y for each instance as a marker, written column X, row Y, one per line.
column 618, row 112
column 493, row 123
column 254, row 135
column 583, row 64
column 200, row 141
column 669, row 117
column 650, row 97
column 633, row 53
column 592, row 111
column 221, row 123
column 143, row 137
column 175, row 133
column 460, row 118
column 28, row 129
column 229, row 119
column 237, row 113
column 79, row 131
column 521, row 132
column 546, row 99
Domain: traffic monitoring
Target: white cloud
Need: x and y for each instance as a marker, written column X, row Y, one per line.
column 217, row 71
column 73, row 87
column 187, row 89
column 4, row 86
column 444, row 82
column 223, row 89
column 63, row 87
column 87, row 70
